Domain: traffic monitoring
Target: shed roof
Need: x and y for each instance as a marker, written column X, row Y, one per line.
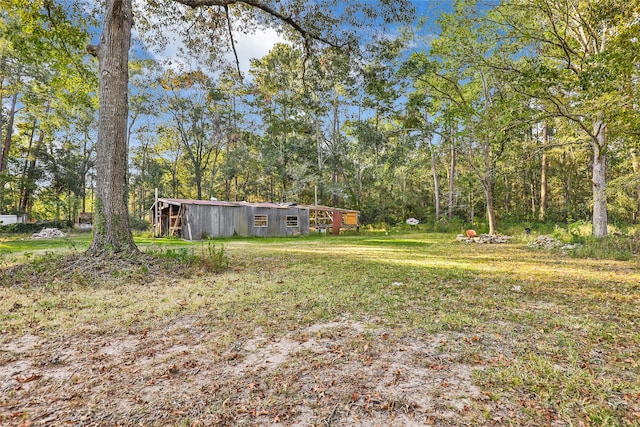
column 178, row 202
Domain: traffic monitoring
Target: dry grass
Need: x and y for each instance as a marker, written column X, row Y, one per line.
column 371, row 330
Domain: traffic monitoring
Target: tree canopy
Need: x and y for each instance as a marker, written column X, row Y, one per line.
column 524, row 110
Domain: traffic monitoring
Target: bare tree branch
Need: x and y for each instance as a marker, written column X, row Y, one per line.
column 233, row 43
column 258, row 4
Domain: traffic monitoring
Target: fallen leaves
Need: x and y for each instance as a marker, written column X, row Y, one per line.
column 27, row 379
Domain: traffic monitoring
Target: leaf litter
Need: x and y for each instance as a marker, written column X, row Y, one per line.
column 338, row 373
column 517, row 349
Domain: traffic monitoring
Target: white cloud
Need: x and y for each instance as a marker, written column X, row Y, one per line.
column 248, row 47
column 254, row 46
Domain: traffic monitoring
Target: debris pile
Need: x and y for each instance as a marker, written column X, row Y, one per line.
column 570, row 247
column 549, row 243
column 413, row 221
column 483, row 238
column 48, row 233
column 545, row 242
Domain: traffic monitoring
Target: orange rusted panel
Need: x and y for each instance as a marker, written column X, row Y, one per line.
column 351, row 218
column 337, row 221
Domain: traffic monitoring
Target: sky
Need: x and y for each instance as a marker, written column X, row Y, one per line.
column 258, row 44
column 248, row 46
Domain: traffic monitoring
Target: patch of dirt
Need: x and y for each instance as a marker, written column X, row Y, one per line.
column 340, row 373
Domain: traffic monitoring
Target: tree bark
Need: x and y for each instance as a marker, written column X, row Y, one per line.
column 111, row 230
column 434, row 169
column 28, row 159
column 635, row 165
column 543, row 187
column 198, row 178
column 599, row 180
column 452, row 175
column 532, row 189
column 29, row 174
column 436, row 182
column 336, row 142
column 543, row 173
column 488, row 184
column 491, row 212
column 320, row 156
column 6, row 145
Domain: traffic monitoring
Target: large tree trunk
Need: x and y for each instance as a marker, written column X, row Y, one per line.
column 452, row 175
column 434, row 169
column 29, row 170
column 320, row 156
column 6, row 144
column 488, row 184
column 198, row 179
column 491, row 211
column 543, row 173
column 111, row 230
column 599, row 180
column 436, row 182
column 635, row 165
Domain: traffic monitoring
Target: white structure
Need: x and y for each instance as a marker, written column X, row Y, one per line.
column 12, row 219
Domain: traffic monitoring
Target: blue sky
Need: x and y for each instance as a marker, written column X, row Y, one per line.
column 258, row 44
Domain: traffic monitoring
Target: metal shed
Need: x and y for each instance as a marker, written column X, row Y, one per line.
column 199, row 219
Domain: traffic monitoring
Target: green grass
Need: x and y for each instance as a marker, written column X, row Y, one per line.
column 550, row 337
column 22, row 243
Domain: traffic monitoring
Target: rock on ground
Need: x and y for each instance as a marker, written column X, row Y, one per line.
column 483, row 238
column 48, row 233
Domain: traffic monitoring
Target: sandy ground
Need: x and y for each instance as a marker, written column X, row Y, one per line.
column 340, row 373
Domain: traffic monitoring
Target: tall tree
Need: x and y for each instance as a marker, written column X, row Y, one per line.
column 41, row 49
column 320, row 21
column 194, row 103
column 112, row 232
column 457, row 76
column 580, row 57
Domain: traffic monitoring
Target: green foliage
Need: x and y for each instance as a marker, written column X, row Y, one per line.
column 214, row 259
column 379, row 226
column 185, row 255
column 34, row 227
column 209, row 258
column 138, row 224
column 622, row 248
column 485, row 80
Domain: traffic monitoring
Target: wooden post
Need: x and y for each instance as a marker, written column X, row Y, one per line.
column 337, row 221
column 156, row 220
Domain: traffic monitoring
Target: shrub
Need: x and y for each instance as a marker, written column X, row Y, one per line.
column 379, row 226
column 138, row 224
column 34, row 227
column 621, row 248
column 215, row 260
column 211, row 258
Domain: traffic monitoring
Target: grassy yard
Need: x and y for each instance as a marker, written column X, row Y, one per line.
column 400, row 329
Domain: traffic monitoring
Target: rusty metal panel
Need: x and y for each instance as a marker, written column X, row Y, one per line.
column 202, row 220
column 337, row 221
column 304, row 220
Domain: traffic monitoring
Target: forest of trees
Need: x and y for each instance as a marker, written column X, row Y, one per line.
column 520, row 109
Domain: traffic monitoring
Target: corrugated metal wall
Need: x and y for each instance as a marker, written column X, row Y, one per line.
column 202, row 221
